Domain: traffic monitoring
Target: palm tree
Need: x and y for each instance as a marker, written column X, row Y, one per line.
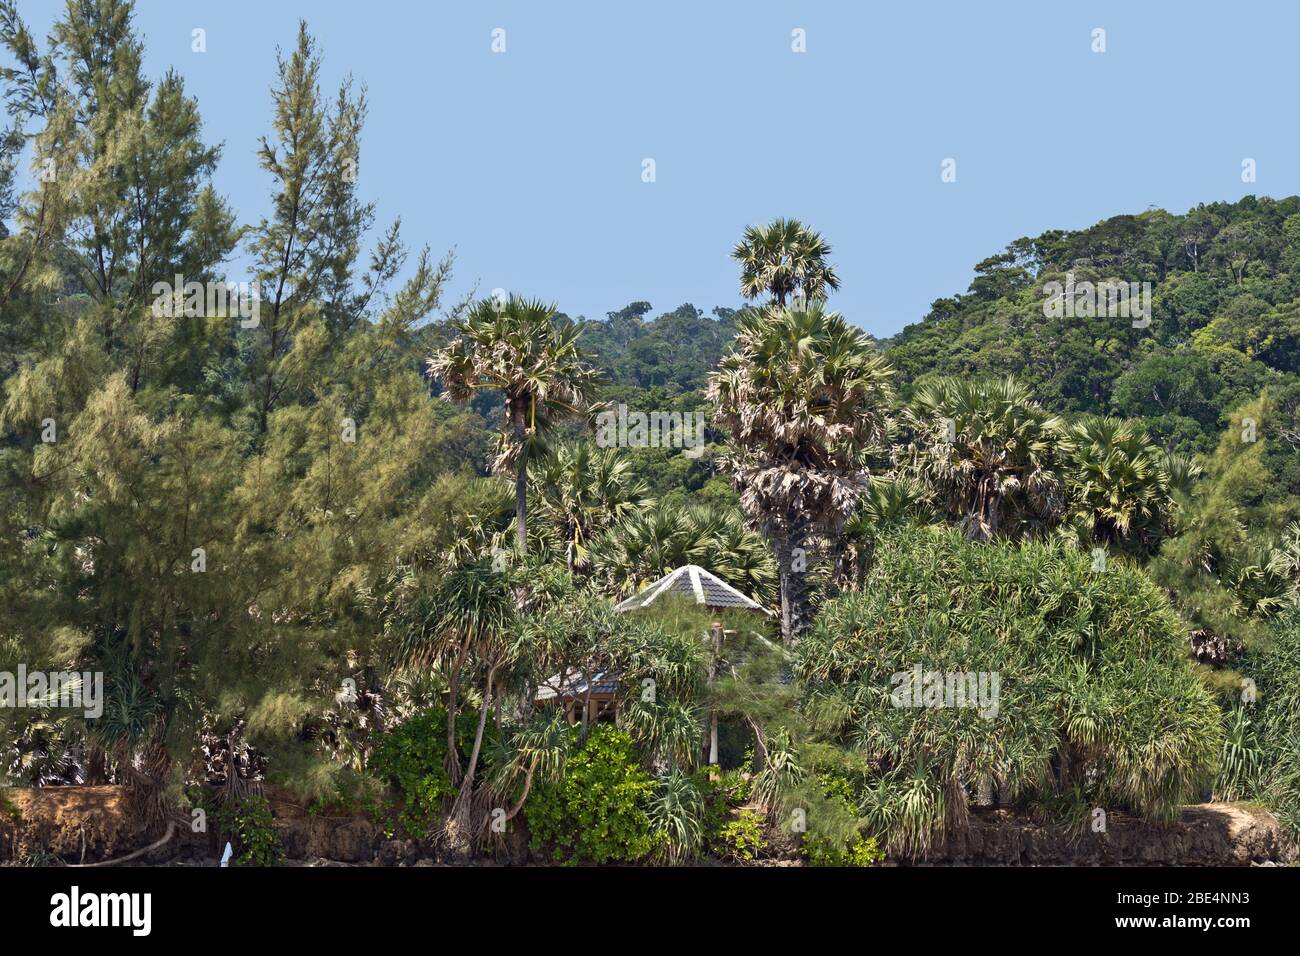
column 1119, row 483
column 989, row 452
column 581, row 490
column 782, row 258
column 891, row 501
column 648, row 545
column 803, row 396
column 522, row 348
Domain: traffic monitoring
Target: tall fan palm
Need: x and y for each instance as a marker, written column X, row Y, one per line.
column 646, row 546
column 1119, row 483
column 582, row 490
column 990, row 453
column 782, row 258
column 521, row 347
column 803, row 395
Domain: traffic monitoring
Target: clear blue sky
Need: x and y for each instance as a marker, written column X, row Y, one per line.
column 529, row 162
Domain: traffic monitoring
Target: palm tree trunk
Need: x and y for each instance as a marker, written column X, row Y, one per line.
column 715, row 633
column 791, row 586
column 521, row 480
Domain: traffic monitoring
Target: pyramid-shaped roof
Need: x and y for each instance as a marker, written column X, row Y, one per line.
column 692, row 581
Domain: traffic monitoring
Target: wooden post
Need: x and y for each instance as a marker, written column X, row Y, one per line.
column 716, row 632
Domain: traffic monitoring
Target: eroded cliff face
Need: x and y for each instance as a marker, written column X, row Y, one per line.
column 1211, row 834
column 75, row 824
column 90, row 824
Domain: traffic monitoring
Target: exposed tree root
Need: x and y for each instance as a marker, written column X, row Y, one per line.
column 171, row 831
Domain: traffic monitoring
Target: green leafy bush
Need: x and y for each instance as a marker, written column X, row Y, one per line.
column 834, row 836
column 249, row 826
column 859, row 851
column 598, row 811
column 742, row 838
column 412, row 758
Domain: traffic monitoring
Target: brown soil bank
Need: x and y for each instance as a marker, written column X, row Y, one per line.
column 91, row 824
column 1210, row 834
column 72, row 823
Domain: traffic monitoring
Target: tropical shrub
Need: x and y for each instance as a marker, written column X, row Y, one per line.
column 859, row 851
column 679, row 816
column 1119, row 483
column 834, row 824
column 1072, row 678
column 1270, row 754
column 412, row 758
column 988, row 451
column 741, row 838
column 249, row 826
column 598, row 811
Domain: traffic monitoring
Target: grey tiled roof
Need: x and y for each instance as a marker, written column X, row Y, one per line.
column 574, row 684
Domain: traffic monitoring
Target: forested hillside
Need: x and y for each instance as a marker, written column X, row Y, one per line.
column 1225, row 282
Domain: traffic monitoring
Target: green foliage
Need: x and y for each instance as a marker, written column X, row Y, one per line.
column 652, row 363
column 990, row 453
column 645, row 546
column 1220, row 566
column 832, row 823
column 580, row 632
column 803, row 395
column 580, row 490
column 248, row 824
column 1093, row 687
column 742, row 838
column 783, row 259
column 525, row 350
column 599, row 811
column 1264, row 763
column 679, row 816
column 412, row 758
column 781, row 774
column 1242, row 760
column 236, row 519
column 203, row 531
column 859, row 851
column 8, row 809
column 1119, row 485
column 1218, row 334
